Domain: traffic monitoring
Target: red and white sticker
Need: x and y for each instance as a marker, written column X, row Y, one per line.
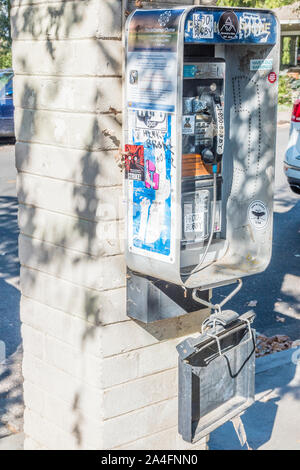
column 272, row 77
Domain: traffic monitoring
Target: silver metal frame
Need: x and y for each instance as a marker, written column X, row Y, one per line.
column 227, row 269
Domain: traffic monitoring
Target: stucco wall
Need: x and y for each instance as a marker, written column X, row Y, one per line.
column 93, row 378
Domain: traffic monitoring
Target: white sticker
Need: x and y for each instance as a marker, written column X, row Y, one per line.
column 194, row 222
column 218, row 216
column 203, row 26
column 188, row 125
column 258, row 215
column 153, row 120
column 220, row 130
column 261, row 64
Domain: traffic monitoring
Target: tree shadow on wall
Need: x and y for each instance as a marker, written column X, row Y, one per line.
column 48, row 246
column 68, row 247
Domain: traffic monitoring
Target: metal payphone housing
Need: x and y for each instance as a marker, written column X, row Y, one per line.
column 160, row 46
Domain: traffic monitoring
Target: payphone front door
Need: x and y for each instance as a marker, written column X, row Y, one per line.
column 202, row 151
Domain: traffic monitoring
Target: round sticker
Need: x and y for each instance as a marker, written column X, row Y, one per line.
column 164, row 18
column 272, row 77
column 258, row 214
column 228, row 25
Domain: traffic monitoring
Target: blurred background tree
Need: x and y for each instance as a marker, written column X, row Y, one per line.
column 5, row 36
column 256, row 3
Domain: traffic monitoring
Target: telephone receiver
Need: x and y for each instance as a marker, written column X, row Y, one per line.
column 214, row 156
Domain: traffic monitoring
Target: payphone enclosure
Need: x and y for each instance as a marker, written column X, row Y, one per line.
column 200, row 106
column 200, row 115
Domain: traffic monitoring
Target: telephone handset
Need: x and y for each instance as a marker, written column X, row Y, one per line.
column 219, row 138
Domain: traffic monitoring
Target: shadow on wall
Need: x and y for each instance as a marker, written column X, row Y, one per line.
column 88, row 195
column 54, row 23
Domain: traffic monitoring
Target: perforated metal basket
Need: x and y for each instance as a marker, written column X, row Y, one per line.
column 216, row 374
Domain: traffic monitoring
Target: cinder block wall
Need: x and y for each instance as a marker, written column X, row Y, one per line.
column 93, row 379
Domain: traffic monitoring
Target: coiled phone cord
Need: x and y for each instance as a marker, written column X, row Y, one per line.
column 212, row 231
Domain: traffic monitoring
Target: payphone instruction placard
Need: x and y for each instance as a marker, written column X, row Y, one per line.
column 152, row 80
column 151, row 105
column 152, row 60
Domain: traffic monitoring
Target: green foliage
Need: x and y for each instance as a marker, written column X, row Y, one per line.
column 286, row 51
column 256, row 3
column 5, row 59
column 285, row 90
column 5, row 35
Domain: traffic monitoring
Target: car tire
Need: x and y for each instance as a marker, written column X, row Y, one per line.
column 295, row 189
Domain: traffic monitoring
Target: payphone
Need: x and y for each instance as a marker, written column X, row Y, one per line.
column 200, row 129
column 201, row 88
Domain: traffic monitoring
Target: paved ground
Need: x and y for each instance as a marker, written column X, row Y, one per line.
column 11, row 407
column 272, row 422
column 12, row 442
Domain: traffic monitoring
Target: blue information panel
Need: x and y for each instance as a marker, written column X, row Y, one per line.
column 228, row 26
column 151, row 95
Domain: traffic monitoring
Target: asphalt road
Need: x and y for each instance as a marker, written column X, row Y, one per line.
column 11, row 401
column 277, row 290
column 9, row 265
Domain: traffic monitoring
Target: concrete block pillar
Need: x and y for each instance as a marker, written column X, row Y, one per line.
column 93, row 378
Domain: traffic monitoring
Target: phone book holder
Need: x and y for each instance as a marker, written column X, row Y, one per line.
column 216, row 374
